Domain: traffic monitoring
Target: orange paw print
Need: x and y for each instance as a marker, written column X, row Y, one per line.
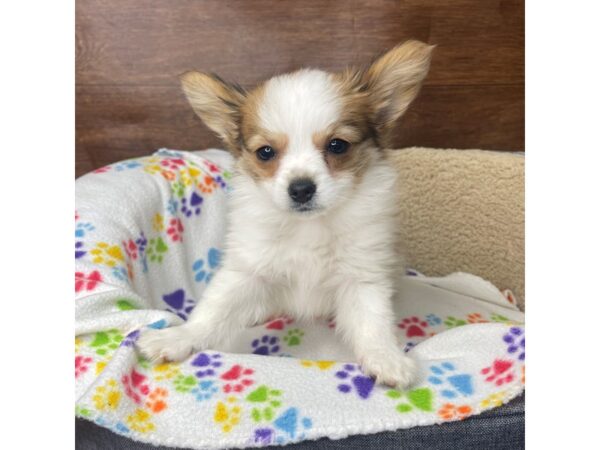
column 207, row 184
column 453, row 412
column 476, row 318
column 156, row 401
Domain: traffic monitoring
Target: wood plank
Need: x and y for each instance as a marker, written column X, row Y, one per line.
column 152, row 41
column 119, row 122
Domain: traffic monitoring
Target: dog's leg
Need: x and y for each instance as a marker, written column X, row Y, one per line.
column 232, row 301
column 365, row 319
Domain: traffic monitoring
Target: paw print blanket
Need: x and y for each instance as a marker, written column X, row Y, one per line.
column 148, row 236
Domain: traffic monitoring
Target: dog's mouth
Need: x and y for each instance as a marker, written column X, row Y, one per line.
column 305, row 208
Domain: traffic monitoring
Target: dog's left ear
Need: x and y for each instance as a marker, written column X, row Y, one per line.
column 394, row 79
column 217, row 103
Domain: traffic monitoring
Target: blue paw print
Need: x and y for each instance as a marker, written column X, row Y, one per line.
column 120, row 273
column 205, row 390
column 205, row 273
column 125, row 165
column 433, row 320
column 451, row 384
column 266, row 345
column 172, row 206
column 290, row 423
column 158, row 325
column 82, row 228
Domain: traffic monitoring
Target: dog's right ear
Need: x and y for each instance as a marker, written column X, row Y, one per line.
column 217, row 103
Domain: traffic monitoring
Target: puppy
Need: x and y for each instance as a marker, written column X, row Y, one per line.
column 312, row 221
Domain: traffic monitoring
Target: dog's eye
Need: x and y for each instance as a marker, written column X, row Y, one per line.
column 265, row 153
column 337, row 146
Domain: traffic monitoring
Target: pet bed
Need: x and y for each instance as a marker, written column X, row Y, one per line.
column 148, row 239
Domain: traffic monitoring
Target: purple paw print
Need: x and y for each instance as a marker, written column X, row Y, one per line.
column 79, row 251
column 130, row 339
column 178, row 304
column 266, row 345
column 263, row 436
column 191, row 206
column 362, row 384
column 208, row 363
column 515, row 339
column 409, row 346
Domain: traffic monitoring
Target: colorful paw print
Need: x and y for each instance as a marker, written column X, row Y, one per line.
column 493, row 400
column 191, row 206
column 205, row 390
column 204, row 272
column 87, row 282
column 179, row 304
column 500, row 372
column 433, row 320
column 175, row 230
column 421, row 399
column 131, row 249
column 207, row 362
column 124, row 304
column 178, row 189
column 450, row 411
column 140, row 421
column 185, row 383
column 166, row 371
column 173, row 163
column 453, row 322
column 157, row 249
column 106, row 254
column 105, row 341
column 515, row 341
column 293, row 337
column 409, row 346
column 131, row 339
column 476, row 318
column 82, row 229
column 266, row 345
column 227, row 414
column 322, row 365
column 108, row 396
column 495, row 317
column 279, row 323
column 155, row 401
column 237, row 379
column 290, row 423
column 451, row 383
column 82, row 364
column 268, row 400
column 80, row 250
column 135, row 385
column 207, row 184
column 354, row 380
column 158, row 222
column 414, row 327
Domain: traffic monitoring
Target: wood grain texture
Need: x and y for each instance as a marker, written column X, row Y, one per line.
column 129, row 54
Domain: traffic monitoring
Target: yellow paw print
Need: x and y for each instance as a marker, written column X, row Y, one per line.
column 158, row 223
column 323, row 365
column 495, row 399
column 100, row 365
column 166, row 371
column 188, row 175
column 78, row 344
column 140, row 421
column 107, row 396
column 228, row 414
column 106, row 254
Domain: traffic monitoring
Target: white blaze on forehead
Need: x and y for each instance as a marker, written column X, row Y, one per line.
column 299, row 104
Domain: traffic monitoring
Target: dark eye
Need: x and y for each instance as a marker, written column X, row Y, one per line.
column 265, row 153
column 337, row 146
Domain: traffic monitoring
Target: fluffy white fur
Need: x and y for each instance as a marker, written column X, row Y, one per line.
column 338, row 260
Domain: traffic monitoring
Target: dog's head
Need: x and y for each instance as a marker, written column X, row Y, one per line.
column 307, row 137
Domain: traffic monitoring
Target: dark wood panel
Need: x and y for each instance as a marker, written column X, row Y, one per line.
column 118, row 122
column 152, row 41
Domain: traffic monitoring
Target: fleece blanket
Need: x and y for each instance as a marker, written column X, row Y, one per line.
column 148, row 236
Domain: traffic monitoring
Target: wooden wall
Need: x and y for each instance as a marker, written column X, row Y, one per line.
column 130, row 52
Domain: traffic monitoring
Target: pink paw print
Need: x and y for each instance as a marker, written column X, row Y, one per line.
column 135, row 386
column 172, row 163
column 131, row 249
column 499, row 372
column 238, row 379
column 175, row 230
column 413, row 326
column 82, row 364
column 85, row 282
column 279, row 323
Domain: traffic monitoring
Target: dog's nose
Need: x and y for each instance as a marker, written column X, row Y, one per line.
column 302, row 190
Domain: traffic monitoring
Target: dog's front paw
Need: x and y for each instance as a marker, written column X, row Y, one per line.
column 169, row 344
column 391, row 368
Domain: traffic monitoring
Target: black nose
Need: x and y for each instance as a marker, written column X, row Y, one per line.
column 302, row 190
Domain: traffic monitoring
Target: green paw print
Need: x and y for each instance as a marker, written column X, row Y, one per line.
column 143, row 362
column 270, row 399
column 104, row 341
column 184, row 383
column 421, row 398
column 178, row 189
column 498, row 318
column 453, row 322
column 82, row 411
column 156, row 249
column 293, row 337
column 226, row 174
column 125, row 305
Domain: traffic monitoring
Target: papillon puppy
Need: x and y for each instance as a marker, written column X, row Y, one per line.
column 312, row 225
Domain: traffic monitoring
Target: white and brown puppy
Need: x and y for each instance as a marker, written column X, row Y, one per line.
column 312, row 222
